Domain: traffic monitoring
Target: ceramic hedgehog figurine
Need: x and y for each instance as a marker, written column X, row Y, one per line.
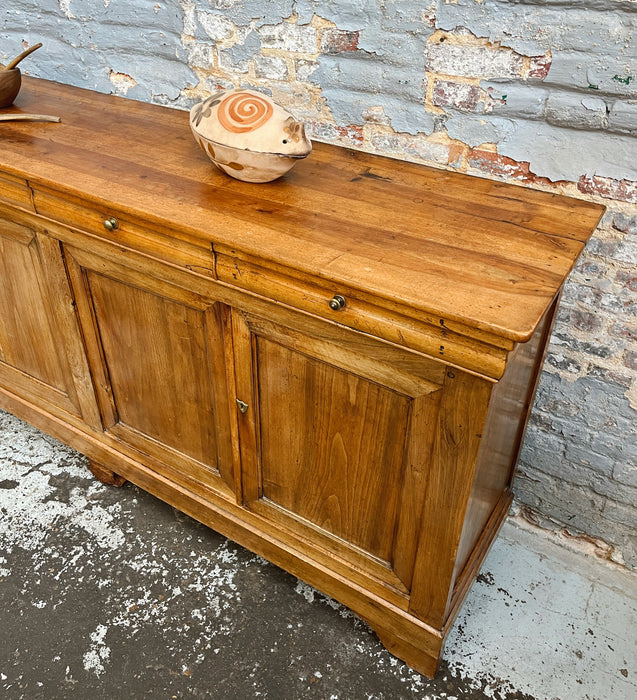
column 248, row 136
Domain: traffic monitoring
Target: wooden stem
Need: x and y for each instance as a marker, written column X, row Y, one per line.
column 28, row 118
column 23, row 55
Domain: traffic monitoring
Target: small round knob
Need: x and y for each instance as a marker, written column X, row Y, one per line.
column 337, row 302
column 111, row 223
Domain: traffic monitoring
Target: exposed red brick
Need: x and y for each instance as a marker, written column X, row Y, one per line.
column 540, row 66
column 330, row 133
column 627, row 279
column 429, row 18
column 491, row 100
column 337, row 41
column 456, row 151
column 624, row 190
column 494, row 164
column 459, row 95
column 353, row 132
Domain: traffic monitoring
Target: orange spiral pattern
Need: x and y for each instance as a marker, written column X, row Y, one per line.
column 242, row 112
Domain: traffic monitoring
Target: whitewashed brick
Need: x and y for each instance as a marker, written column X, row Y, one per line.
column 574, row 111
column 290, row 37
column 623, row 117
column 473, row 61
column 217, row 27
column 305, row 68
column 270, row 67
column 415, row 147
column 200, row 55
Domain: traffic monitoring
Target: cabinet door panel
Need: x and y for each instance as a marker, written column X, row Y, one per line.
column 333, row 464
column 41, row 354
column 27, row 342
column 332, row 453
column 159, row 354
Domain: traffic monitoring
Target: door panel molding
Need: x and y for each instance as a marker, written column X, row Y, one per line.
column 314, row 459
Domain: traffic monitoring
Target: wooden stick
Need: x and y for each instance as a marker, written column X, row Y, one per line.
column 28, row 118
column 24, row 54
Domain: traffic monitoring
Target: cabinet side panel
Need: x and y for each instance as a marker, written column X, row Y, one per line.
column 461, row 418
column 511, row 400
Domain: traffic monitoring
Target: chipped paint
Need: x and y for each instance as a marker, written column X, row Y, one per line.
column 98, row 655
column 336, row 61
column 121, row 82
column 587, row 47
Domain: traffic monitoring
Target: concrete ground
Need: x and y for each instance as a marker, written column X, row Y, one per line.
column 110, row 593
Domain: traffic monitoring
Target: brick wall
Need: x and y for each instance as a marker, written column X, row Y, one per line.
column 539, row 93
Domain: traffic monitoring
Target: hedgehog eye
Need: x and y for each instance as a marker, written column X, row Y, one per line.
column 285, row 140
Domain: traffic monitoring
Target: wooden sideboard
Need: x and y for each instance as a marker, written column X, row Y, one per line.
column 334, row 369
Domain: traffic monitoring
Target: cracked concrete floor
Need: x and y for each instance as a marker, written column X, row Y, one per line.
column 110, row 593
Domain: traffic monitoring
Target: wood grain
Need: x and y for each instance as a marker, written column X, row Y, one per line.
column 27, row 339
column 421, row 431
column 503, row 434
column 163, row 244
column 435, row 338
column 191, row 348
column 496, row 254
column 105, row 475
column 159, row 359
column 236, row 267
column 351, row 475
column 16, row 191
column 461, row 419
column 40, row 347
column 339, row 471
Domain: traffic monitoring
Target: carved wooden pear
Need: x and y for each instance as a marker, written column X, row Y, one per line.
column 248, row 136
column 11, row 78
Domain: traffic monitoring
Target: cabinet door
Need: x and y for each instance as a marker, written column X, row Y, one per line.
column 157, row 352
column 41, row 353
column 336, row 441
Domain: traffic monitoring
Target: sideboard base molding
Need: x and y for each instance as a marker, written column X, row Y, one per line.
column 404, row 649
column 334, row 370
column 402, row 634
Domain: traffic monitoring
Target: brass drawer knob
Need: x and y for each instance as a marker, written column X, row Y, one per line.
column 337, row 302
column 111, row 223
column 243, row 406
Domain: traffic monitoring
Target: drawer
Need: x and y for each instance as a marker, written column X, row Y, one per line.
column 15, row 190
column 347, row 307
column 107, row 223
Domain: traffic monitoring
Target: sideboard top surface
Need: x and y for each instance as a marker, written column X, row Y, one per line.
column 483, row 253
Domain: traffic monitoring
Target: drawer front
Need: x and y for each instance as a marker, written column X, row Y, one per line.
column 15, row 190
column 110, row 224
column 344, row 307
